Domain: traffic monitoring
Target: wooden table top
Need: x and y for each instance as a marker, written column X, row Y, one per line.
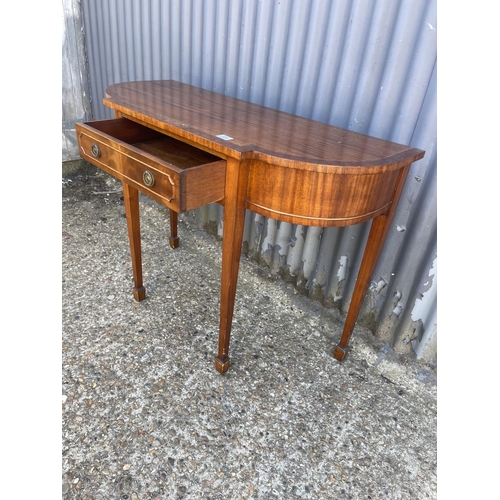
column 240, row 129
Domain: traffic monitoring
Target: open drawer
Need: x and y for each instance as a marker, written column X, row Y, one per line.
column 172, row 172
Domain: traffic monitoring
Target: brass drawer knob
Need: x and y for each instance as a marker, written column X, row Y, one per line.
column 148, row 178
column 95, row 150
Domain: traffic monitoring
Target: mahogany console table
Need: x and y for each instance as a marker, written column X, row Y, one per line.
column 186, row 147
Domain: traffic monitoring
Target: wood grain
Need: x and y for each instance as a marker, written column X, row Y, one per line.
column 201, row 115
column 213, row 147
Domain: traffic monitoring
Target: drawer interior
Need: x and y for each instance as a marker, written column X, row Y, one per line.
column 155, row 143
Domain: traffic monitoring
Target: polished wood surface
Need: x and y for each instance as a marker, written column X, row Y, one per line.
column 276, row 164
column 201, row 115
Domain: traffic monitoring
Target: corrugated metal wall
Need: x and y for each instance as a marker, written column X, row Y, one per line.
column 366, row 65
column 75, row 93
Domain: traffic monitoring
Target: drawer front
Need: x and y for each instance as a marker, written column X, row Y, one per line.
column 173, row 173
column 125, row 163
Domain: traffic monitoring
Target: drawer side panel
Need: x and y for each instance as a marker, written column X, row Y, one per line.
column 203, row 185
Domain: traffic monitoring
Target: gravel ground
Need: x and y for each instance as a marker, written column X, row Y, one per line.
column 146, row 416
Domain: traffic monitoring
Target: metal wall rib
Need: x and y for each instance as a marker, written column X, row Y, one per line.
column 365, row 65
column 75, row 94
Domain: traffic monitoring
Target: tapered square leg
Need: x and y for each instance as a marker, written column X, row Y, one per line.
column 174, row 239
column 376, row 238
column 131, row 200
column 232, row 238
